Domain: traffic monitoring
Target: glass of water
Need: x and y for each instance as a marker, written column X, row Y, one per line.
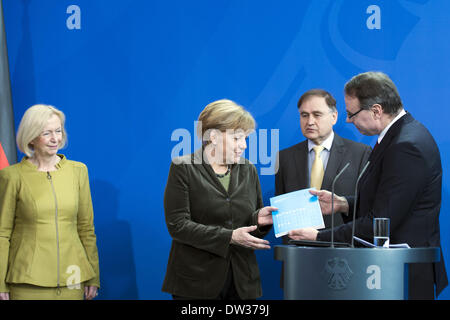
column 381, row 228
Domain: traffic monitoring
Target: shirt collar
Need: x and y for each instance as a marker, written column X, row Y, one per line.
column 326, row 143
column 385, row 130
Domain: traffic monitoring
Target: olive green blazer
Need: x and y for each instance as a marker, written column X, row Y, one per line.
column 201, row 216
column 46, row 226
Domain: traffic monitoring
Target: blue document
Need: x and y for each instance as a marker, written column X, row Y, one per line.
column 296, row 210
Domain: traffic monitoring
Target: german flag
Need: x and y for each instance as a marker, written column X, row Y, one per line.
column 3, row 159
column 8, row 152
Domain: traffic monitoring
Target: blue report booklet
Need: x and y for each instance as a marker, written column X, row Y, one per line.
column 296, row 210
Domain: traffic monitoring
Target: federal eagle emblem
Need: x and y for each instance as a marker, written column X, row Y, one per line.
column 337, row 273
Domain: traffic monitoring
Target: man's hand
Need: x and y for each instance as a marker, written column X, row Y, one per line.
column 324, row 196
column 303, row 234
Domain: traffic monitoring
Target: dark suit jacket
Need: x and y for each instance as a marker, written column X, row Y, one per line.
column 201, row 216
column 403, row 183
column 293, row 173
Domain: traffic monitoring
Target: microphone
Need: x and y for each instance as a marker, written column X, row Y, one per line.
column 332, row 202
column 356, row 202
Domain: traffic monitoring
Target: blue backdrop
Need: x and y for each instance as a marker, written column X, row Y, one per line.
column 128, row 73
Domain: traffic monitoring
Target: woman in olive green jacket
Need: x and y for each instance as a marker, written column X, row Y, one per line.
column 214, row 212
column 47, row 242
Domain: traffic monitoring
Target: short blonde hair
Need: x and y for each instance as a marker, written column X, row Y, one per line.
column 223, row 115
column 32, row 124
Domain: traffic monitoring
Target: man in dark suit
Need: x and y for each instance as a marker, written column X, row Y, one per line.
column 403, row 181
column 318, row 114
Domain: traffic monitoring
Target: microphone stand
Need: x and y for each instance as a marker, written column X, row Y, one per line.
column 332, row 202
column 356, row 202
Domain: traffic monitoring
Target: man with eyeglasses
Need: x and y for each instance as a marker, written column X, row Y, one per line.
column 299, row 165
column 402, row 182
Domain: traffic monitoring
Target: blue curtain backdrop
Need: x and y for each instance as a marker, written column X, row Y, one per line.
column 129, row 73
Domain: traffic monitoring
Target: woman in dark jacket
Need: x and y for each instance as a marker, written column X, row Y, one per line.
column 214, row 212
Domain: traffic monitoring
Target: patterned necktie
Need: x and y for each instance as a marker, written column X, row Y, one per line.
column 317, row 169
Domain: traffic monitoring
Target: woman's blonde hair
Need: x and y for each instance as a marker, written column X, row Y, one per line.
column 32, row 124
column 223, row 115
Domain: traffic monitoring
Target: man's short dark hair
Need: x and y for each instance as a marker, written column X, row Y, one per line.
column 330, row 101
column 374, row 88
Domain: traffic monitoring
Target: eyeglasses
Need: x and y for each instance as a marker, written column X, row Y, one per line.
column 351, row 115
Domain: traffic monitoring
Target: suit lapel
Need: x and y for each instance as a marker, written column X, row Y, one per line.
column 237, row 175
column 386, row 142
column 390, row 135
column 337, row 151
column 207, row 171
column 301, row 164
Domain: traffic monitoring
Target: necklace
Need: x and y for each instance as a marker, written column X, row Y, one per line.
column 223, row 175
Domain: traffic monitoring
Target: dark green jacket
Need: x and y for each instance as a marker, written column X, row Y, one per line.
column 200, row 216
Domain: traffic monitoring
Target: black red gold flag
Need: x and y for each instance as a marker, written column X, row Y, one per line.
column 8, row 151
